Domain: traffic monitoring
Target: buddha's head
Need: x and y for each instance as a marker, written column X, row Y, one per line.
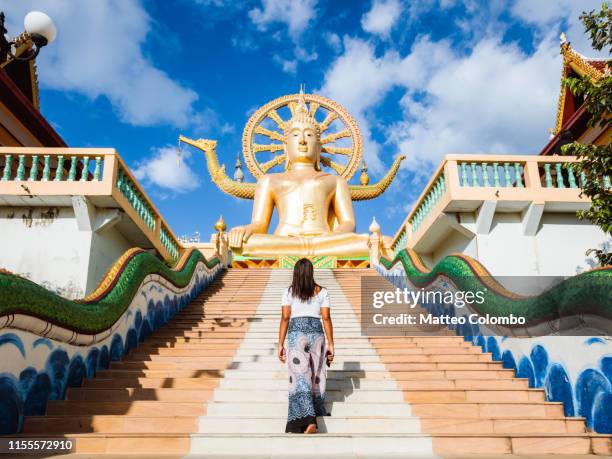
column 302, row 137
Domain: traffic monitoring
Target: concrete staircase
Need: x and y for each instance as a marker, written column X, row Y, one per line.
column 209, row 385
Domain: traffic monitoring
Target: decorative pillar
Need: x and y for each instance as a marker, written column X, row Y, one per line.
column 374, row 243
column 221, row 242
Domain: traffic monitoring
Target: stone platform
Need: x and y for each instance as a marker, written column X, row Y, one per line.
column 288, row 261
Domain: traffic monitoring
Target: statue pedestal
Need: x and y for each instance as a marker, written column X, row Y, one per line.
column 374, row 244
column 288, row 261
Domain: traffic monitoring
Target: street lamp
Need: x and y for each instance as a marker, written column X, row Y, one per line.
column 39, row 31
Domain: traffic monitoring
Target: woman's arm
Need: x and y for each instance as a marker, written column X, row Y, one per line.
column 282, row 332
column 329, row 332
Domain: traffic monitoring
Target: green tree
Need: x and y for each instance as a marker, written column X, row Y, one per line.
column 596, row 161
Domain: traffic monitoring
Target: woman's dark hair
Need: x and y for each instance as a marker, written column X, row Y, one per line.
column 303, row 284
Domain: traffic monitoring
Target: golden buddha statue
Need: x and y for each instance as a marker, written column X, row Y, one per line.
column 315, row 209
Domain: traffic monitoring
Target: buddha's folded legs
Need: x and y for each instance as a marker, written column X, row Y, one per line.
column 335, row 244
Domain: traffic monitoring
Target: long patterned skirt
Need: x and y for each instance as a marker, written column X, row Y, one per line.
column 307, row 372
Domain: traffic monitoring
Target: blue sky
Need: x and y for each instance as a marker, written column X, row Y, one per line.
column 424, row 78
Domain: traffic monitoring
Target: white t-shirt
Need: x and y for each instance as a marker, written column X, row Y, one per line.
column 310, row 308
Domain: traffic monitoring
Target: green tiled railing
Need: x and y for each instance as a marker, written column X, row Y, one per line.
column 51, row 167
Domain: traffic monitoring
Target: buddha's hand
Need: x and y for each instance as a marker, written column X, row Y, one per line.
column 238, row 236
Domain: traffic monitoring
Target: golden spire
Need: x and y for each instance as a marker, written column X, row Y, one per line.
column 238, row 174
column 364, row 179
column 220, row 226
column 374, row 226
column 301, row 114
column 301, row 105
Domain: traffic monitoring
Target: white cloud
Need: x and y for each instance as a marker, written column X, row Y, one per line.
column 486, row 97
column 164, row 170
column 360, row 80
column 304, row 56
column 288, row 65
column 295, row 14
column 333, row 40
column 495, row 100
column 559, row 16
column 382, row 17
column 98, row 53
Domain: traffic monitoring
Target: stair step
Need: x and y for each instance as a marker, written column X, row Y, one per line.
column 475, row 396
column 366, row 446
column 188, row 393
column 109, row 424
column 253, row 409
column 181, row 355
column 466, row 384
column 152, row 408
column 333, row 424
column 488, row 410
column 332, row 384
column 483, row 375
column 259, row 395
column 501, row 426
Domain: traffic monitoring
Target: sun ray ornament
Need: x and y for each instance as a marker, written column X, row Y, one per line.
column 264, row 136
column 340, row 135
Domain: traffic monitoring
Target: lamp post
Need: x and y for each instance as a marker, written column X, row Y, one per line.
column 39, row 31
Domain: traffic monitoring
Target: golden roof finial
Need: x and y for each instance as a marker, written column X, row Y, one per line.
column 220, row 226
column 238, row 174
column 364, row 179
column 374, row 226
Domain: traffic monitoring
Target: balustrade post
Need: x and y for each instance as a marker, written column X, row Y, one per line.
column 46, row 168
column 485, row 175
column 570, row 176
column 72, row 172
column 474, row 175
column 548, row 176
column 8, row 159
column 34, row 169
column 21, row 168
column 464, row 179
column 85, row 170
column 507, row 179
column 96, row 176
column 517, row 174
column 59, row 171
column 560, row 182
column 496, row 182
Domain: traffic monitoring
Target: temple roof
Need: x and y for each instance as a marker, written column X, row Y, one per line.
column 19, row 94
column 574, row 62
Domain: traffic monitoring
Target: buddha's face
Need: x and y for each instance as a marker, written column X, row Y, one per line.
column 302, row 144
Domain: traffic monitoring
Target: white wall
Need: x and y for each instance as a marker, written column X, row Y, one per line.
column 107, row 245
column 455, row 243
column 565, row 239
column 557, row 249
column 46, row 246
column 506, row 250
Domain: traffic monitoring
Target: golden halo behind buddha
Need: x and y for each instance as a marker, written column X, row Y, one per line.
column 264, row 134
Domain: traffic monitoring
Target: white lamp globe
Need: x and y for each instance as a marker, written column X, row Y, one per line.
column 37, row 23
